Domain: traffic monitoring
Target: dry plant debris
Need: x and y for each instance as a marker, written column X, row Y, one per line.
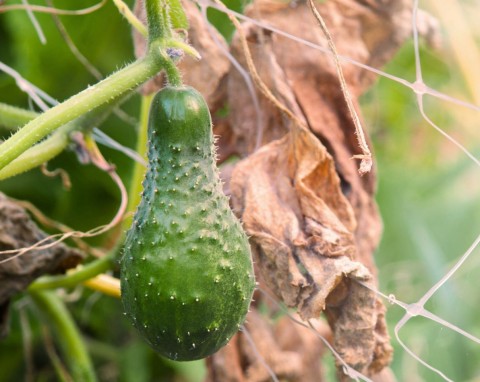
column 312, row 218
column 18, row 231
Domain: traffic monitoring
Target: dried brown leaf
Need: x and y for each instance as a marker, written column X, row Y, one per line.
column 17, row 230
column 253, row 126
column 301, row 227
column 368, row 31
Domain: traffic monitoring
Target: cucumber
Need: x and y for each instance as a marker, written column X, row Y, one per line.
column 186, row 274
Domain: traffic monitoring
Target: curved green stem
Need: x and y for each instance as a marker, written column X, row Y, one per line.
column 71, row 280
column 173, row 74
column 105, row 91
column 188, row 49
column 39, row 154
column 12, row 117
column 53, row 145
column 68, row 336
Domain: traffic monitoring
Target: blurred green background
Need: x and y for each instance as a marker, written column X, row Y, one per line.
column 428, row 193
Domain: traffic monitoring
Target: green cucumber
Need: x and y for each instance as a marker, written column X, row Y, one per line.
column 186, row 273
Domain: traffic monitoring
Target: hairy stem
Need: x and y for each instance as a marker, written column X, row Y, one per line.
column 160, row 29
column 157, row 20
column 71, row 343
column 130, row 16
column 105, row 91
column 40, row 153
column 53, row 145
column 173, row 74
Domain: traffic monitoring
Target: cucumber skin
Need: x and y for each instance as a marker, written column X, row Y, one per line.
column 186, row 273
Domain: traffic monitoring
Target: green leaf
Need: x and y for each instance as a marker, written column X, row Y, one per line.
column 177, row 15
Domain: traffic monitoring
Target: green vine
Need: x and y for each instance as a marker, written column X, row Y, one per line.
column 51, row 146
column 39, row 154
column 139, row 169
column 21, row 151
column 71, row 343
column 90, row 270
column 105, row 91
column 157, row 20
column 11, row 117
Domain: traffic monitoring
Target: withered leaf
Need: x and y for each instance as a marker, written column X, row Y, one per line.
column 17, row 231
column 289, row 197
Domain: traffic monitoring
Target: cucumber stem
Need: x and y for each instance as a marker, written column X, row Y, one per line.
column 105, row 91
column 70, row 280
column 157, row 20
column 160, row 29
column 173, row 74
column 71, row 343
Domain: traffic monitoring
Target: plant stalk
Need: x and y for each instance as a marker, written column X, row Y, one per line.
column 53, row 145
column 71, row 280
column 39, row 154
column 157, row 20
column 67, row 334
column 11, row 117
column 138, row 169
column 105, row 91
